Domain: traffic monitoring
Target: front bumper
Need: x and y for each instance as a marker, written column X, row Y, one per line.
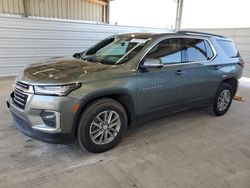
column 30, row 123
column 26, row 128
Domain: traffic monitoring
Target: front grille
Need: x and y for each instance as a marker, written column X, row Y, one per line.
column 20, row 98
column 22, row 85
column 20, row 95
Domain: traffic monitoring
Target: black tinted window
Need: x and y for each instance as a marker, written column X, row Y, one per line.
column 168, row 51
column 229, row 48
column 197, row 50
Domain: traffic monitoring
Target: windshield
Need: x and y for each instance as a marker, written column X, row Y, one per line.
column 115, row 50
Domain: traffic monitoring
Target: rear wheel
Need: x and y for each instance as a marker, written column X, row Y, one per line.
column 223, row 99
column 102, row 125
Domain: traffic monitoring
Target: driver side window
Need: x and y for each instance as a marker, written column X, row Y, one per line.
column 168, row 51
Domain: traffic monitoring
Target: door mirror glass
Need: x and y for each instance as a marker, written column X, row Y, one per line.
column 152, row 63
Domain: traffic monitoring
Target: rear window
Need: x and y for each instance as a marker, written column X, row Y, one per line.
column 229, row 48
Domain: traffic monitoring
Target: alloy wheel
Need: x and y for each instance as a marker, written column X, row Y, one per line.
column 105, row 127
column 223, row 100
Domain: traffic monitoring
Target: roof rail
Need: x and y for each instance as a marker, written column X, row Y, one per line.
column 199, row 33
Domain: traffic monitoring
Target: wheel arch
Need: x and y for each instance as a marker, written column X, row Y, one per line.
column 120, row 95
column 233, row 82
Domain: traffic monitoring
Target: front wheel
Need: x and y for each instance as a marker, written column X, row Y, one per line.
column 223, row 99
column 102, row 125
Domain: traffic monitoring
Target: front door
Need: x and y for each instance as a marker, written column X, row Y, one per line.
column 161, row 88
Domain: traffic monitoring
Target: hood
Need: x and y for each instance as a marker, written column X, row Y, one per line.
column 61, row 70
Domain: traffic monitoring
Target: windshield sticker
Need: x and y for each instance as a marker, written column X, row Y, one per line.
column 142, row 41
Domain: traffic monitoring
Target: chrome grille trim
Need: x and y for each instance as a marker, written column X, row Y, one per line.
column 23, row 85
column 20, row 96
column 19, row 103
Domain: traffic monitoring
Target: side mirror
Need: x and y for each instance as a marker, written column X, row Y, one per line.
column 152, row 63
column 78, row 55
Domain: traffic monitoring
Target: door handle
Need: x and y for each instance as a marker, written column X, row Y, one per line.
column 216, row 67
column 179, row 72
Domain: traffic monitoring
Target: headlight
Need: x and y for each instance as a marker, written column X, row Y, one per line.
column 60, row 90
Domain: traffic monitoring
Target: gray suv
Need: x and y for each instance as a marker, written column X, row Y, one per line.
column 121, row 81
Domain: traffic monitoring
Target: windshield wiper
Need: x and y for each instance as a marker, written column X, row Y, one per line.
column 91, row 60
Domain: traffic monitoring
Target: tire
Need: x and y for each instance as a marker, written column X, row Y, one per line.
column 104, row 117
column 223, row 99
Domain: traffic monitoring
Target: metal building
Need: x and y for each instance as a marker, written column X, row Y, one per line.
column 33, row 30
column 87, row 10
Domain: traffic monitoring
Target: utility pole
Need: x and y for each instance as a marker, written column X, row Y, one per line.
column 178, row 15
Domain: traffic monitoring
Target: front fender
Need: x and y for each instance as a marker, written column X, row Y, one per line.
column 122, row 95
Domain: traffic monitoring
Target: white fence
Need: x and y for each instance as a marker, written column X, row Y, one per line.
column 24, row 41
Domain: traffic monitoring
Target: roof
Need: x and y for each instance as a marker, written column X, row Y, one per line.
column 156, row 35
column 198, row 33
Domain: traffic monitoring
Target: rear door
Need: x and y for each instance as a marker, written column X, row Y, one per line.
column 201, row 74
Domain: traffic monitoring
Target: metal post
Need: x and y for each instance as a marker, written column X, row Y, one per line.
column 26, row 8
column 107, row 13
column 178, row 15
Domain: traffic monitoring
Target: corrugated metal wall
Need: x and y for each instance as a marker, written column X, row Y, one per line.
column 25, row 41
column 241, row 37
column 87, row 10
column 12, row 7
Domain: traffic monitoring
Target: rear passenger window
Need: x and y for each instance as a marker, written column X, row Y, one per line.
column 229, row 48
column 197, row 50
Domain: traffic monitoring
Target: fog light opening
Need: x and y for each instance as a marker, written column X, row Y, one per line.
column 50, row 118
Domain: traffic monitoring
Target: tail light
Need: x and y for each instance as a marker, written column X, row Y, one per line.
column 241, row 62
